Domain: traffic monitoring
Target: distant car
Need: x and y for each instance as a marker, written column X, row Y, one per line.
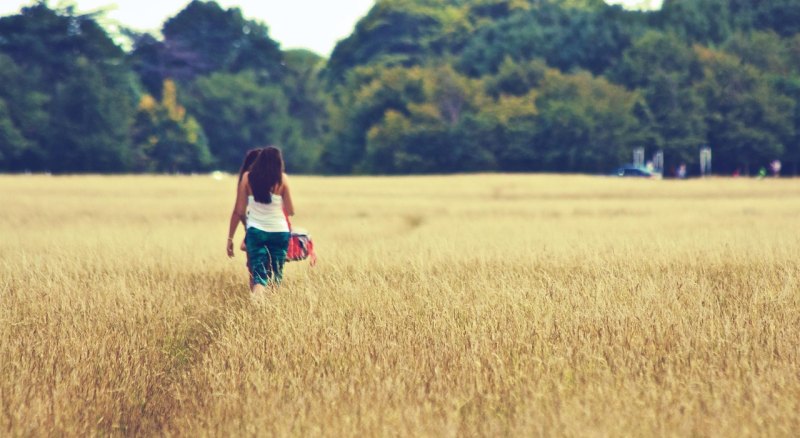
column 635, row 172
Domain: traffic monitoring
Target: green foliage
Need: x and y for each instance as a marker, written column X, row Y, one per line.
column 241, row 88
column 47, row 42
column 400, row 33
column 367, row 95
column 589, row 38
column 166, row 139
column 790, row 87
column 307, row 98
column 12, row 143
column 22, row 116
column 714, row 21
column 664, row 68
column 516, row 79
column 68, row 95
column 748, row 120
column 424, row 136
column 202, row 39
column 780, row 16
column 763, row 50
column 238, row 113
column 209, row 39
column 697, row 20
column 91, row 117
column 423, row 120
column 585, row 123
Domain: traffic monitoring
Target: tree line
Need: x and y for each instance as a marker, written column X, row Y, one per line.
column 420, row 86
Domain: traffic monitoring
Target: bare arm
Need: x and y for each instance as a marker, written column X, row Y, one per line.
column 239, row 214
column 244, row 219
column 286, row 194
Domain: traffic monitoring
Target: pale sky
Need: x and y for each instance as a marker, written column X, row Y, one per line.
column 312, row 24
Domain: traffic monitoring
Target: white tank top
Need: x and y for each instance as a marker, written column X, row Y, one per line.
column 267, row 217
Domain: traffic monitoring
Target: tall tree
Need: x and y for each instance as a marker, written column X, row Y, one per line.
column 202, row 39
column 665, row 68
column 304, row 89
column 586, row 124
column 748, row 119
column 72, row 64
column 424, row 136
column 780, row 16
column 763, row 50
column 22, row 115
column 238, row 113
column 591, row 37
column 47, row 42
column 400, row 33
column 91, row 123
column 704, row 21
column 12, row 143
column 165, row 138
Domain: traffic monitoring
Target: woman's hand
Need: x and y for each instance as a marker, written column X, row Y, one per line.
column 230, row 248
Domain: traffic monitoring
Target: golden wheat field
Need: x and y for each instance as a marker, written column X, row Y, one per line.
column 476, row 305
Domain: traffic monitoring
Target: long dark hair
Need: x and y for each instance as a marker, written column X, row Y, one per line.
column 266, row 173
column 249, row 159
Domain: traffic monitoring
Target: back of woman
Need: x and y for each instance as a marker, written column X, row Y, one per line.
column 264, row 190
column 267, row 217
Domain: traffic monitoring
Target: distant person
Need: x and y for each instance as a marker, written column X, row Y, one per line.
column 775, row 167
column 682, row 171
column 762, row 172
column 265, row 187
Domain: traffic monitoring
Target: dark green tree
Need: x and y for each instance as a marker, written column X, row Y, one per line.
column 47, row 42
column 74, row 102
column 91, row 124
column 763, row 50
column 586, row 124
column 238, row 113
column 748, row 119
column 367, row 95
column 589, row 38
column 780, row 16
column 166, row 139
column 516, row 79
column 22, row 115
column 202, row 39
column 665, row 68
column 400, row 33
column 789, row 86
column 704, row 21
column 209, row 38
column 12, row 143
column 306, row 93
column 425, row 135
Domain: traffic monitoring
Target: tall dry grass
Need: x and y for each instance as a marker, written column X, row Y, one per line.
column 442, row 306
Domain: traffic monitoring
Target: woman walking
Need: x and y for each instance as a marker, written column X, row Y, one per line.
column 265, row 189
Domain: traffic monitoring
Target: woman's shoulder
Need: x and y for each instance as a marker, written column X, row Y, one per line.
column 245, row 181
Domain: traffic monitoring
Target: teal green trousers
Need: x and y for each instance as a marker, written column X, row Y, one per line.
column 266, row 255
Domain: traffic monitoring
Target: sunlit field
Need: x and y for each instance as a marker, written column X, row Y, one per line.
column 441, row 306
